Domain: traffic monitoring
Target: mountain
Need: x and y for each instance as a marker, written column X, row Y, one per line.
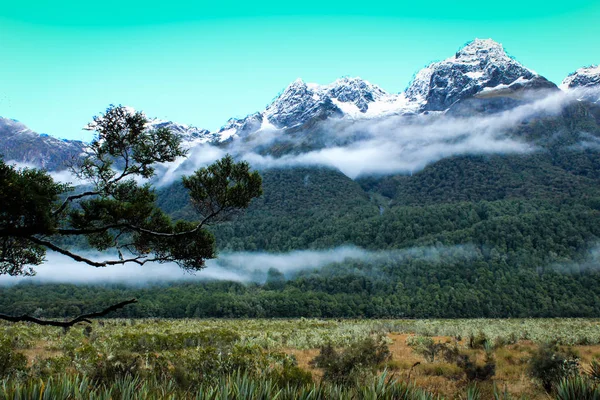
column 20, row 144
column 190, row 135
column 480, row 65
column 481, row 71
column 480, row 78
column 479, row 230
column 303, row 103
column 587, row 80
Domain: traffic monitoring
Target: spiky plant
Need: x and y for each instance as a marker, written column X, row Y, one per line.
column 577, row 388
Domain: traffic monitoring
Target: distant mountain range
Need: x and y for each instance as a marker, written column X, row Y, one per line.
column 477, row 191
column 479, row 78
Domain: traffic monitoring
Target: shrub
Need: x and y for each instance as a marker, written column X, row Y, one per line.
column 474, row 371
column 353, row 363
column 478, row 341
column 289, row 374
column 161, row 341
column 473, row 393
column 11, row 362
column 549, row 365
column 431, row 349
column 449, row 371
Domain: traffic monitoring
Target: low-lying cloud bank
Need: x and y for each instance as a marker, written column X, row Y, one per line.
column 233, row 266
column 63, row 176
column 590, row 262
column 396, row 144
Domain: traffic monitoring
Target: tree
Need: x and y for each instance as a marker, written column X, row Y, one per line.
column 114, row 211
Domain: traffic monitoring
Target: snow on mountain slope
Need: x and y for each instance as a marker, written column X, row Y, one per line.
column 480, row 64
column 21, row 144
column 479, row 79
column 301, row 102
column 190, row 135
column 587, row 80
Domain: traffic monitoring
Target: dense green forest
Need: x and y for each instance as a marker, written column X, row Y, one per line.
column 521, row 231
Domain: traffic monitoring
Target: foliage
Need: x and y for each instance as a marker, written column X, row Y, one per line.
column 114, row 211
column 353, row 363
column 474, row 371
column 478, row 341
column 27, row 197
column 430, row 349
column 11, row 361
column 594, row 371
column 549, row 365
column 577, row 388
column 238, row 386
column 187, row 355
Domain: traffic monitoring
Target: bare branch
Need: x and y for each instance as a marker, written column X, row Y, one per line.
column 140, row 260
column 71, row 198
column 67, row 324
column 138, row 229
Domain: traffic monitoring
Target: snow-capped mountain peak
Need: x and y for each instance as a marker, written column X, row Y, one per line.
column 480, row 64
column 481, row 51
column 357, row 91
column 190, row 135
column 298, row 103
column 586, row 80
column 583, row 77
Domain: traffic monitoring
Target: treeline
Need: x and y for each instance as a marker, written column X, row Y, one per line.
column 457, row 282
column 512, row 257
column 469, row 236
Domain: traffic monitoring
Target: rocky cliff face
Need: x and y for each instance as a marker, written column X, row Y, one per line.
column 20, row 144
column 481, row 64
column 587, row 81
column 479, row 78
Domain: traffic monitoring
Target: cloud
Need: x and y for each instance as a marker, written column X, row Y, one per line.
column 199, row 156
column 590, row 262
column 394, row 144
column 229, row 266
column 64, row 176
column 406, row 144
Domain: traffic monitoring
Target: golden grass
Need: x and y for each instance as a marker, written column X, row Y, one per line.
column 40, row 350
column 440, row 377
column 448, row 380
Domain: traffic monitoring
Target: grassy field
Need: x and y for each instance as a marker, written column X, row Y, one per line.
column 189, row 356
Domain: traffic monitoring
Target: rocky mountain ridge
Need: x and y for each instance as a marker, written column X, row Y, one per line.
column 479, row 77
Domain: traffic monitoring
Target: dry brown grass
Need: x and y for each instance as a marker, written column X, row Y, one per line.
column 448, row 380
column 40, row 350
column 440, row 377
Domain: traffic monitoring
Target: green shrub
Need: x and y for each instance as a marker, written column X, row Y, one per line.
column 161, row 341
column 474, row 371
column 449, row 371
column 549, row 365
column 43, row 368
column 354, row 363
column 473, row 393
column 431, row 349
column 478, row 341
column 289, row 374
column 11, row 362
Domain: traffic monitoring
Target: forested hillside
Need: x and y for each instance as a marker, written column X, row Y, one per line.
column 468, row 236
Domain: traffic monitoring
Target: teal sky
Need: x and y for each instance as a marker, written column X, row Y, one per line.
column 201, row 63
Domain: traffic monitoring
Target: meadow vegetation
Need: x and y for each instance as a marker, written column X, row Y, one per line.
column 303, row 358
